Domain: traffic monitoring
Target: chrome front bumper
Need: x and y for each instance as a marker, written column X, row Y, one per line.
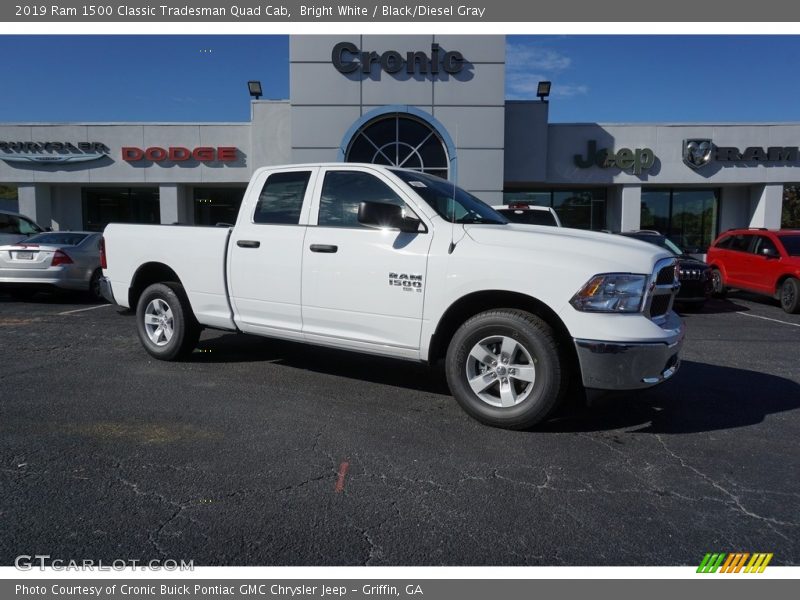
column 106, row 291
column 629, row 365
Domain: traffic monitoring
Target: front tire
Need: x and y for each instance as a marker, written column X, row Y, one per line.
column 506, row 369
column 718, row 285
column 165, row 323
column 790, row 296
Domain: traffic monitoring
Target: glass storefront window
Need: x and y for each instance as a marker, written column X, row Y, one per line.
column 688, row 217
column 214, row 205
column 8, row 198
column 790, row 215
column 577, row 208
column 102, row 206
column 400, row 140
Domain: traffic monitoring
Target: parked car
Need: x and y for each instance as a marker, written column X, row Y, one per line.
column 758, row 260
column 529, row 214
column 68, row 260
column 400, row 263
column 693, row 273
column 15, row 227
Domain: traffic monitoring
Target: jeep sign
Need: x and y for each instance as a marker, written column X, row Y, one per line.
column 636, row 161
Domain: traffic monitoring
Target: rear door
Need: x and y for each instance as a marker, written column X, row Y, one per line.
column 737, row 260
column 362, row 287
column 764, row 271
column 266, row 251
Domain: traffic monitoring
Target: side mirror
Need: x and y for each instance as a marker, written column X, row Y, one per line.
column 386, row 216
column 770, row 252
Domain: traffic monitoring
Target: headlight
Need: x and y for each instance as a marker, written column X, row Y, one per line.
column 611, row 292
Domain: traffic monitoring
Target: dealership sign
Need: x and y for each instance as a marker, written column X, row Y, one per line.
column 699, row 152
column 180, row 154
column 52, row 152
column 347, row 58
column 636, row 161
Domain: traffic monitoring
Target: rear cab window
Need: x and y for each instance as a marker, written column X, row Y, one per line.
column 281, row 198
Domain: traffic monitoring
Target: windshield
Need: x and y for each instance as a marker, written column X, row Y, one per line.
column 791, row 243
column 659, row 240
column 449, row 201
column 57, row 238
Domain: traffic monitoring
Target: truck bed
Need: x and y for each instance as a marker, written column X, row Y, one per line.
column 196, row 254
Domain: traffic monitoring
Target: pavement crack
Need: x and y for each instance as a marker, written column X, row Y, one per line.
column 734, row 500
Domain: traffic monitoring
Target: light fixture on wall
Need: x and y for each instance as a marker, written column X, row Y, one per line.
column 543, row 90
column 254, row 87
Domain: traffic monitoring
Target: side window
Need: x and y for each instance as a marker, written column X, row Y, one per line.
column 9, row 224
column 725, row 243
column 740, row 243
column 281, row 199
column 28, row 227
column 764, row 242
column 343, row 191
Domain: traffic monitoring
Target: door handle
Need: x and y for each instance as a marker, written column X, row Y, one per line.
column 327, row 248
column 248, row 244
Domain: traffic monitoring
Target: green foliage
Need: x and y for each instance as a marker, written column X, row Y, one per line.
column 8, row 192
column 790, row 217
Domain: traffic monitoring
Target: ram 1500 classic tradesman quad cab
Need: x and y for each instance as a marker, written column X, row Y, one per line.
column 400, row 263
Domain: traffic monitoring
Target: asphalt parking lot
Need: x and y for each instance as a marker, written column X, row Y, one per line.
column 270, row 453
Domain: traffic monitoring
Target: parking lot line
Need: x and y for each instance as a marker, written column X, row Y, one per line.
column 69, row 312
column 744, row 314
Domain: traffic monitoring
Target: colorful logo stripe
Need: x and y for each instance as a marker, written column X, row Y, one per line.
column 734, row 562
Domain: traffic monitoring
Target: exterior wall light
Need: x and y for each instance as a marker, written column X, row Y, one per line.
column 543, row 90
column 254, row 87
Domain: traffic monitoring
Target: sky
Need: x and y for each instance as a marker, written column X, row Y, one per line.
column 605, row 79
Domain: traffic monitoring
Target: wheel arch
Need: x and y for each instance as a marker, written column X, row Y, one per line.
column 477, row 302
column 145, row 276
column 780, row 281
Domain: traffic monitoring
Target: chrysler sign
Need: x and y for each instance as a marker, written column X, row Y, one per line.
column 699, row 152
column 52, row 152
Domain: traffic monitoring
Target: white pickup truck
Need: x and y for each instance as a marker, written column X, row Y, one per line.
column 399, row 263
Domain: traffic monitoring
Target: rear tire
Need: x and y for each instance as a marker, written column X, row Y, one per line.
column 165, row 323
column 718, row 285
column 94, row 286
column 506, row 368
column 790, row 296
column 22, row 295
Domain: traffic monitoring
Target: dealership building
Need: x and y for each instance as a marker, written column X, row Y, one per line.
column 434, row 103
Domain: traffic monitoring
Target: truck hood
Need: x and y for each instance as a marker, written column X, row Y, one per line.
column 603, row 252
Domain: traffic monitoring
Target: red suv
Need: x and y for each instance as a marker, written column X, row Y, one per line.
column 758, row 260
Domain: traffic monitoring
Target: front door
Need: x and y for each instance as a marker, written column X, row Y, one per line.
column 266, row 251
column 362, row 286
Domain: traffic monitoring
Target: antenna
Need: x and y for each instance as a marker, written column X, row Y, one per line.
column 453, row 200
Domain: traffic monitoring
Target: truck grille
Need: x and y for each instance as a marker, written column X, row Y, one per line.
column 663, row 288
column 693, row 274
column 666, row 275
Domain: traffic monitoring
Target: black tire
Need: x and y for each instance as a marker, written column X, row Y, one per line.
column 185, row 329
column 790, row 296
column 94, row 286
column 718, row 284
column 22, row 295
column 540, row 343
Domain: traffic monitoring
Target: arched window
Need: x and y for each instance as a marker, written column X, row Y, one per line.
column 400, row 140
